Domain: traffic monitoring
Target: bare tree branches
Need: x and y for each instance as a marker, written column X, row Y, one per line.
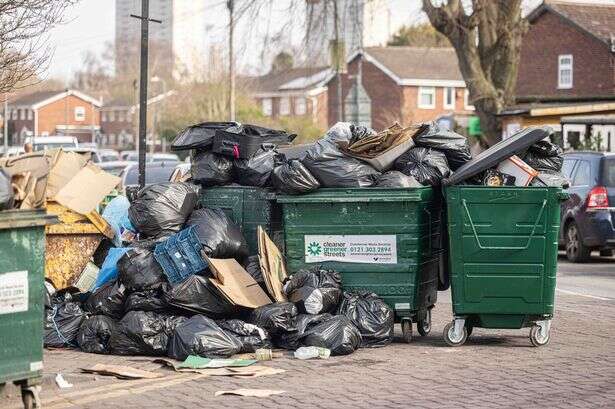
column 24, row 49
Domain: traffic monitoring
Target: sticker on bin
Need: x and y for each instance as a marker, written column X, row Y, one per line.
column 13, row 292
column 374, row 249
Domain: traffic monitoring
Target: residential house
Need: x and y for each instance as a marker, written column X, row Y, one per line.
column 66, row 112
column 117, row 119
column 405, row 84
column 567, row 71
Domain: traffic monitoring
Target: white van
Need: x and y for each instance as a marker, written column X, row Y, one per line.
column 43, row 143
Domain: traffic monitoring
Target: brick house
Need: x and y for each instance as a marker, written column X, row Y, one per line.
column 567, row 68
column 296, row 92
column 405, row 84
column 117, row 119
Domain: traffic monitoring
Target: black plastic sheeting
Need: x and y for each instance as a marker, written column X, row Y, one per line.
column 94, row 334
column 314, row 291
column 210, row 169
column 62, row 324
column 146, row 300
column 292, row 340
column 338, row 334
column 454, row 146
column 161, row 209
column 427, row 166
column 203, row 337
column 107, row 300
column 544, row 156
column 220, row 237
column 257, row 170
column 198, row 136
column 394, row 178
column 196, row 294
column 6, row 191
column 294, row 178
column 143, row 333
column 250, row 336
column 138, row 270
column 371, row 315
column 276, row 317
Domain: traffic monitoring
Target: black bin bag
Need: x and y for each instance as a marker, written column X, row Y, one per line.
column 294, row 178
column 62, row 323
column 544, row 156
column 220, row 237
column 6, row 191
column 146, row 300
column 252, row 266
column 197, row 295
column 138, row 270
column 394, row 178
column 292, row 340
column 143, row 333
column 198, row 136
column 257, row 170
column 201, row 336
column 210, row 169
column 454, row 146
column 107, row 300
column 251, row 336
column 276, row 317
column 338, row 334
column 371, row 315
column 426, row 165
column 94, row 334
column 161, row 209
column 314, row 291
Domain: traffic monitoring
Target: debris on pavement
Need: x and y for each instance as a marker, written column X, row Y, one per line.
column 312, row 352
column 61, row 382
column 122, row 372
column 258, row 393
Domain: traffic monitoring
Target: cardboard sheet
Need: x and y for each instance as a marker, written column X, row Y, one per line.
column 272, row 265
column 122, row 372
column 66, row 166
column 236, row 284
column 87, row 189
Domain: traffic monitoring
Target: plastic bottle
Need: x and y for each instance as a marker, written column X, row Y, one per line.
column 312, row 352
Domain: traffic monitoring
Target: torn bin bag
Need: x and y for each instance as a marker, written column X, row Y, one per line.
column 62, row 324
column 209, row 169
column 276, row 317
column 293, row 178
column 220, row 237
column 94, row 334
column 314, row 291
column 107, row 300
column 338, row 334
column 201, row 336
column 197, row 295
column 251, row 336
column 292, row 340
column 426, row 165
column 161, row 209
column 454, row 146
column 371, row 315
column 257, row 170
column 139, row 270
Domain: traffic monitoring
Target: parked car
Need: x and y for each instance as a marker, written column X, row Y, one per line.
column 588, row 217
column 108, row 155
column 43, row 143
column 149, row 157
column 93, row 153
column 154, row 173
column 115, row 167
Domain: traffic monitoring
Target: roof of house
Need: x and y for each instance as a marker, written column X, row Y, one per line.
column 597, row 19
column 294, row 79
column 559, row 108
column 42, row 98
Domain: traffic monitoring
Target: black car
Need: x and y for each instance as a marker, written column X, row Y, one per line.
column 588, row 217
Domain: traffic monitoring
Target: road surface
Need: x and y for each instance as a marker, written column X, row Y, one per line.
column 595, row 279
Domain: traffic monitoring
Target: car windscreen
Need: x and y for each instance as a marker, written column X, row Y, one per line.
column 608, row 174
column 156, row 174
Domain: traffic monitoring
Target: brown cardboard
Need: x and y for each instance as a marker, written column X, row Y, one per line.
column 236, row 284
column 66, row 166
column 87, row 189
column 272, row 265
column 37, row 164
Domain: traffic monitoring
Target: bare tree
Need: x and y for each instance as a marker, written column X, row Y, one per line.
column 487, row 38
column 24, row 51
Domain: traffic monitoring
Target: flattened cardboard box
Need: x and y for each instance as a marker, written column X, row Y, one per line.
column 87, row 189
column 236, row 284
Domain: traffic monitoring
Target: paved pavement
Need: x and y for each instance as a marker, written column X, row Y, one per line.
column 593, row 279
column 494, row 369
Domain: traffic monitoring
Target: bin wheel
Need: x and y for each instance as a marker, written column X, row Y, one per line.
column 539, row 336
column 406, row 331
column 453, row 339
column 424, row 326
column 470, row 328
column 27, row 397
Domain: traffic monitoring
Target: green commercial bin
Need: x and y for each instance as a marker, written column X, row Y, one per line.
column 249, row 207
column 387, row 241
column 22, row 265
column 503, row 258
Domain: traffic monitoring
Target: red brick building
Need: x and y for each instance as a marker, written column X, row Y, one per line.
column 66, row 112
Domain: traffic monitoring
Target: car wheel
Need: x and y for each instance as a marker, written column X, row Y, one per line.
column 576, row 252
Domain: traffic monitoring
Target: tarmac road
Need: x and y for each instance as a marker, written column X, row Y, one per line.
column 595, row 279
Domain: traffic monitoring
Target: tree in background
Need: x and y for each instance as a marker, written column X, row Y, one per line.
column 24, row 51
column 420, row 35
column 487, row 39
column 283, row 61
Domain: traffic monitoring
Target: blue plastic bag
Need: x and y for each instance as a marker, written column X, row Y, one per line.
column 116, row 214
column 109, row 270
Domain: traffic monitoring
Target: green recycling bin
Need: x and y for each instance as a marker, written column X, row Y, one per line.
column 387, row 241
column 503, row 259
column 22, row 277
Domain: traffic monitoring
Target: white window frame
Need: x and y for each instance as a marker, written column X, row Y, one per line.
column 446, row 104
column 284, row 106
column 111, row 116
column 423, row 91
column 121, row 116
column 267, row 106
column 79, row 114
column 300, row 106
column 14, row 114
column 103, row 116
column 561, row 67
column 22, row 114
column 466, row 101
column 29, row 114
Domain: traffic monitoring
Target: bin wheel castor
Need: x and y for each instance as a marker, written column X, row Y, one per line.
column 452, row 338
column 424, row 325
column 406, row 331
column 470, row 329
column 540, row 335
column 27, row 397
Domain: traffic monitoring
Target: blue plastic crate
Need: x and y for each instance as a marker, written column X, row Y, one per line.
column 162, row 257
column 180, row 255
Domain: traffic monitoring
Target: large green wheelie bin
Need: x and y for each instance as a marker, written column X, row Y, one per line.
column 503, row 258
column 22, row 265
column 387, row 241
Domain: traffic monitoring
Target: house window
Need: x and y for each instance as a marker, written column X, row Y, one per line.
column 564, row 72
column 122, row 116
column 466, row 101
column 449, row 98
column 14, row 114
column 21, row 113
column 103, row 116
column 284, row 106
column 111, row 116
column 300, row 106
column 79, row 114
column 29, row 114
column 427, row 97
column 267, row 106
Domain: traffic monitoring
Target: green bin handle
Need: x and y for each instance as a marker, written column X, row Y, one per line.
column 529, row 239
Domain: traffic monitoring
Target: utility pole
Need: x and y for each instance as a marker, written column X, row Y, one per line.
column 5, row 124
column 230, row 4
column 144, row 17
column 135, row 122
column 338, row 49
